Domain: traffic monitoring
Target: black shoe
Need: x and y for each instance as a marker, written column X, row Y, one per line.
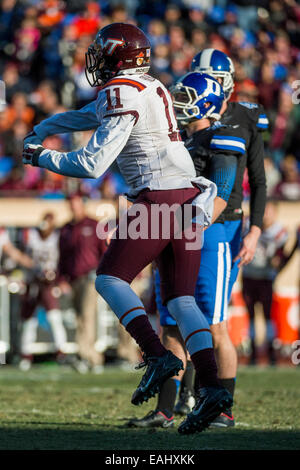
column 224, row 420
column 154, row 419
column 210, row 402
column 185, row 403
column 159, row 369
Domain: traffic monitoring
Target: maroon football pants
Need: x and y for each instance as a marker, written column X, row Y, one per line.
column 178, row 264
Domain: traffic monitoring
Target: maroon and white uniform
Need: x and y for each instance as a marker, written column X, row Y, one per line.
column 43, row 251
column 136, row 125
column 41, row 282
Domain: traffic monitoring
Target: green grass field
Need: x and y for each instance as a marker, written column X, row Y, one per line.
column 55, row 408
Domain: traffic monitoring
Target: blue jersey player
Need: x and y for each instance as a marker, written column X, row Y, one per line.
column 216, row 150
column 252, row 119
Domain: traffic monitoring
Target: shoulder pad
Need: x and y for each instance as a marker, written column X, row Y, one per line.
column 125, row 81
column 257, row 114
column 248, row 105
column 217, row 125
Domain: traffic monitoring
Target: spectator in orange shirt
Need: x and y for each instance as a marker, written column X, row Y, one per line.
column 18, row 110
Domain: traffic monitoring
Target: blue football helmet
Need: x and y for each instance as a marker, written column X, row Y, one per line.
column 197, row 96
column 218, row 65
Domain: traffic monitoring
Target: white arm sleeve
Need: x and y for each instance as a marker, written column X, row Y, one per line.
column 92, row 161
column 83, row 119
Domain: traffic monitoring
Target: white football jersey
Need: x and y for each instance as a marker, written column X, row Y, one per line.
column 135, row 123
column 44, row 252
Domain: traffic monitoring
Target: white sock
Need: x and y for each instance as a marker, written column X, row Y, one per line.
column 28, row 336
column 54, row 317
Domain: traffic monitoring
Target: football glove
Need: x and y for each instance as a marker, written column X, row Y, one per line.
column 32, row 138
column 31, row 154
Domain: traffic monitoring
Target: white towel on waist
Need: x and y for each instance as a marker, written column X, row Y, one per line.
column 205, row 200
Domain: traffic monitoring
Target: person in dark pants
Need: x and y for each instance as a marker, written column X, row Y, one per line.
column 259, row 276
column 41, row 244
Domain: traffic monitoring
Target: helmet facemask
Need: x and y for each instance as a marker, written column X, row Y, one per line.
column 97, row 70
column 186, row 104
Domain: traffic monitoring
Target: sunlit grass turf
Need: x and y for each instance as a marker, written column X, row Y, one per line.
column 51, row 407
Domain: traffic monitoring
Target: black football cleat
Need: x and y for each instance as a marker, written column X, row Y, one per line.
column 224, row 420
column 154, row 419
column 159, row 369
column 185, row 403
column 210, row 403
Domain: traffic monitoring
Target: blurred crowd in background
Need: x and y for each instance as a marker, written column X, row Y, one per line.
column 42, row 61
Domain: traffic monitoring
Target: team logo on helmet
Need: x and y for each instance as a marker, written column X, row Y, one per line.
column 110, row 44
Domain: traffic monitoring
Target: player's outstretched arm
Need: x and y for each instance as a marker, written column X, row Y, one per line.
column 83, row 119
column 91, row 161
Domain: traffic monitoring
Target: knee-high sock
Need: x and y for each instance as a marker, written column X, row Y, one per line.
column 58, row 330
column 28, row 336
column 196, row 333
column 131, row 312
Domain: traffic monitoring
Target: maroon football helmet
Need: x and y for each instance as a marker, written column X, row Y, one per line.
column 118, row 46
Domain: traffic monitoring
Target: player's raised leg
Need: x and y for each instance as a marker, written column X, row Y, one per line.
column 124, row 259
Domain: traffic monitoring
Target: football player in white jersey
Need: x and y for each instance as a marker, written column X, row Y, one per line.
column 135, row 123
column 42, row 245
